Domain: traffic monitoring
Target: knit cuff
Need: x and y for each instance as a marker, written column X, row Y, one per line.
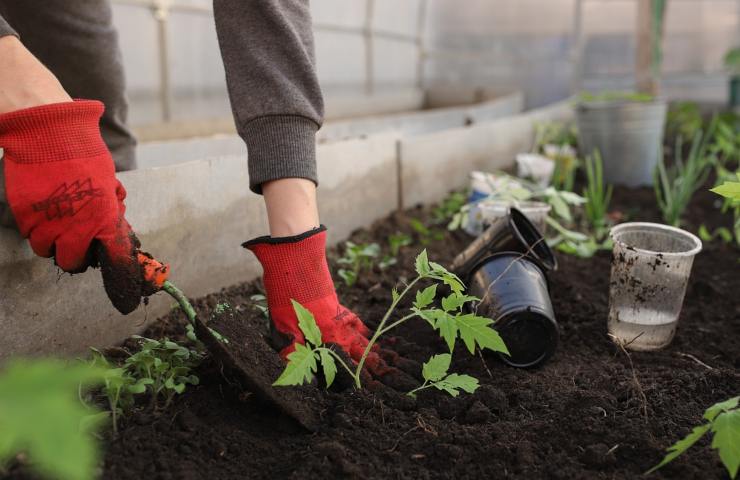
column 280, row 146
column 54, row 132
column 6, row 29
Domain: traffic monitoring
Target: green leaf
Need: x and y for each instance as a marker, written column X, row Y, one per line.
column 349, row 276
column 394, row 294
column 300, row 368
column 329, row 366
column 447, row 327
column 422, row 264
column 682, row 445
column 720, row 407
column 307, row 324
column 455, row 382
column 475, row 329
column 455, row 301
column 726, row 429
column 41, row 415
column 425, row 297
column 728, row 190
column 436, row 368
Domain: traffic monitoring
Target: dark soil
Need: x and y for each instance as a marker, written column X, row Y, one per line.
column 591, row 412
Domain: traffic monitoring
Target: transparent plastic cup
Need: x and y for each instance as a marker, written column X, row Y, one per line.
column 651, row 264
column 492, row 210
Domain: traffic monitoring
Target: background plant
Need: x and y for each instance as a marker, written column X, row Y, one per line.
column 450, row 321
column 676, row 185
column 41, row 415
column 426, row 234
column 731, row 191
column 723, row 421
column 357, row 257
column 597, row 197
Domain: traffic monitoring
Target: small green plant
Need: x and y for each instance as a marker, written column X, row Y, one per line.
column 119, row 387
column 731, row 191
column 164, row 367
column 259, row 303
column 723, row 420
column 675, row 186
column 732, row 61
column 448, row 207
column 450, row 321
column 597, row 197
column 358, row 257
column 554, row 133
column 42, row 416
column 426, row 234
column 435, row 375
column 684, row 120
column 397, row 241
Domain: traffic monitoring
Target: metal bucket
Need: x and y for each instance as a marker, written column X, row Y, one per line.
column 628, row 135
column 514, row 293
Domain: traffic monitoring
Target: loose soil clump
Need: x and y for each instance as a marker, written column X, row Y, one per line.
column 593, row 411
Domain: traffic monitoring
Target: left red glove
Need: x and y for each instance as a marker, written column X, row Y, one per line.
column 61, row 186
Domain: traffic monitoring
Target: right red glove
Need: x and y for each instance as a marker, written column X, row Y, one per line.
column 65, row 198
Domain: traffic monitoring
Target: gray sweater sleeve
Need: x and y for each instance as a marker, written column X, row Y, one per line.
column 268, row 54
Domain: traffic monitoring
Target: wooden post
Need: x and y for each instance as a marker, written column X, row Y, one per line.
column 650, row 16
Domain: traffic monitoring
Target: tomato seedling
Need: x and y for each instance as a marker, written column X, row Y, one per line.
column 357, row 257
column 450, row 320
column 723, row 420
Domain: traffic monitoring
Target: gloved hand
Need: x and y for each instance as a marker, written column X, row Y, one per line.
column 295, row 268
column 62, row 190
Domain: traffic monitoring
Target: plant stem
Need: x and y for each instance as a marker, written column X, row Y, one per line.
column 181, row 299
column 397, row 323
column 341, row 362
column 380, row 330
column 423, row 386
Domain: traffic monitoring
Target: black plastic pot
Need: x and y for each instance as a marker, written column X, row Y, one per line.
column 514, row 293
column 513, row 233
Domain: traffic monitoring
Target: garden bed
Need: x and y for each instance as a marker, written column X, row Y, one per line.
column 582, row 415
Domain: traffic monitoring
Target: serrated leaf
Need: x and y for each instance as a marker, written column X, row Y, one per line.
column 422, row 264
column 307, row 324
column 720, row 407
column 447, row 327
column 682, row 445
column 454, row 301
column 436, row 368
column 394, row 294
column 329, row 366
column 476, row 330
column 425, row 297
column 454, row 382
column 429, row 315
column 726, row 429
column 300, row 368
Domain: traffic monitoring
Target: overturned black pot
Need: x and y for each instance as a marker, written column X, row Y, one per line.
column 514, row 293
column 513, row 233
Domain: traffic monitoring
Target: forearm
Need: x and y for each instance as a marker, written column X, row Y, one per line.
column 267, row 49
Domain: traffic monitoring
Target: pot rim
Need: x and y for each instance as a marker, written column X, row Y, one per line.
column 615, row 230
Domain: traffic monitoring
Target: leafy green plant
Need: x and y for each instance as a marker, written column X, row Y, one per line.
column 597, row 198
column 397, row 241
column 684, row 119
column 448, row 207
column 732, row 60
column 426, row 234
column 119, row 387
column 675, row 186
column 450, row 321
column 731, row 191
column 724, row 144
column 723, row 420
column 554, row 133
column 164, row 367
column 435, row 375
column 358, row 257
column 42, row 416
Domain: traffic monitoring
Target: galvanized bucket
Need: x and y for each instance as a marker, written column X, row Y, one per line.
column 628, row 135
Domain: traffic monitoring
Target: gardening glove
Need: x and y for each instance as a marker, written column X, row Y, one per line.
column 66, row 200
column 295, row 268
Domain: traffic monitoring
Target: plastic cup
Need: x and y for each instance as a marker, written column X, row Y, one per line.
column 651, row 264
column 536, row 212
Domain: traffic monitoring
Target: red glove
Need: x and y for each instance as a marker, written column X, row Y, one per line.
column 63, row 192
column 295, row 268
